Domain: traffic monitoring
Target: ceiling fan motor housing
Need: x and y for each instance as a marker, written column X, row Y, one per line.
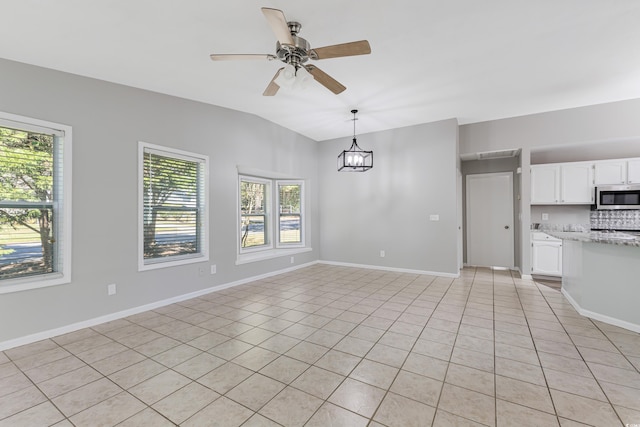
column 297, row 53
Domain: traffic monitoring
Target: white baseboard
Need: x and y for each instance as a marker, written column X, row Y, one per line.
column 399, row 270
column 601, row 317
column 28, row 339
column 522, row 276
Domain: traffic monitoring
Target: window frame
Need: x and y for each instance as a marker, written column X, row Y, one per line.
column 274, row 249
column 61, row 204
column 268, row 216
column 202, row 233
column 289, row 182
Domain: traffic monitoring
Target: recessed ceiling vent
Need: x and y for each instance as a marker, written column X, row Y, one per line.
column 497, row 154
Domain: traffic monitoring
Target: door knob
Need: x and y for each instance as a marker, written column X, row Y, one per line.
column 506, row 227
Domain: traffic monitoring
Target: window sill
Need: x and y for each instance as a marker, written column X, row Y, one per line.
column 33, row 282
column 269, row 254
column 171, row 262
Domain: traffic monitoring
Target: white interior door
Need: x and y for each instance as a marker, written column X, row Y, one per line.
column 490, row 220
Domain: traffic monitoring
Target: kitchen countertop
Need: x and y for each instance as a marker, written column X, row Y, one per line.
column 614, row 238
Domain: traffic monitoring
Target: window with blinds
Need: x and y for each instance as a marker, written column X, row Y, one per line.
column 34, row 228
column 173, row 207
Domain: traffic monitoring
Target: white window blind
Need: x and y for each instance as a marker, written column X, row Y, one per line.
column 174, row 214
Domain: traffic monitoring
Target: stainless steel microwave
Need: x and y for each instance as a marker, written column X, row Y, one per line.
column 618, row 197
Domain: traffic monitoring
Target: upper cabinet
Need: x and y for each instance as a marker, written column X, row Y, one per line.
column 611, row 172
column 545, row 184
column 633, row 171
column 562, row 183
column 622, row 171
column 576, row 183
column 573, row 183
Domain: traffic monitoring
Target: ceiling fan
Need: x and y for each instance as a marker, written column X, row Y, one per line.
column 295, row 51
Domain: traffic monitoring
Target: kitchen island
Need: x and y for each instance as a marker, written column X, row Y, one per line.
column 601, row 276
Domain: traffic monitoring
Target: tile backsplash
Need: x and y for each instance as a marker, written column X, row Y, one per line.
column 615, row 219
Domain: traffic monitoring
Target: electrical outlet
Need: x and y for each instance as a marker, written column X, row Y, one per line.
column 292, row 260
column 545, row 217
column 434, row 217
column 382, row 254
column 111, row 289
column 213, row 269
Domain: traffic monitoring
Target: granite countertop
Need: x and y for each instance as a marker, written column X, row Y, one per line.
column 610, row 238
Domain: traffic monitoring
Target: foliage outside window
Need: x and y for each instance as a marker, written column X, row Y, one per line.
column 259, row 197
column 34, row 228
column 173, row 212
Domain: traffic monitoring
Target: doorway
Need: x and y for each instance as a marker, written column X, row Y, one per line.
column 490, row 228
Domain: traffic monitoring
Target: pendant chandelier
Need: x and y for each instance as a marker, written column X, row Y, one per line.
column 355, row 159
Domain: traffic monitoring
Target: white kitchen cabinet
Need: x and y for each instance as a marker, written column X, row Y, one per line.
column 620, row 171
column 633, row 171
column 576, row 183
column 610, row 172
column 562, row 183
column 545, row 184
column 546, row 255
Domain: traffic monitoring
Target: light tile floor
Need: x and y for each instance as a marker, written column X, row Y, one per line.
column 336, row 346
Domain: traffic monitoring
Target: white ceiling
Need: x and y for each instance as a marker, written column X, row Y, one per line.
column 473, row 60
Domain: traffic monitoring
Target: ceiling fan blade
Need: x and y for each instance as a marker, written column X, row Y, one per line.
column 273, row 87
column 345, row 49
column 241, row 56
column 278, row 23
column 325, row 79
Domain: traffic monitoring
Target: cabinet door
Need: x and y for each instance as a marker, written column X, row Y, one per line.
column 633, row 171
column 610, row 172
column 577, row 183
column 545, row 184
column 546, row 258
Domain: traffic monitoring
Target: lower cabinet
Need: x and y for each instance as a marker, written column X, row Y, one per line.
column 546, row 257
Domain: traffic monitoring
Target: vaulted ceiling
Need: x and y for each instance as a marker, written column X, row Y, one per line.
column 431, row 59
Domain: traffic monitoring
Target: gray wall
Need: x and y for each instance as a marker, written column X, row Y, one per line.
column 599, row 125
column 388, row 207
column 108, row 120
column 490, row 166
column 567, row 214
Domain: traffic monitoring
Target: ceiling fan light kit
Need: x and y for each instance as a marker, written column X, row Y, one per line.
column 295, row 51
column 291, row 78
column 355, row 159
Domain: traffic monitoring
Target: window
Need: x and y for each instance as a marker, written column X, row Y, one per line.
column 290, row 213
column 266, row 205
column 173, row 207
column 35, row 203
column 254, row 214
